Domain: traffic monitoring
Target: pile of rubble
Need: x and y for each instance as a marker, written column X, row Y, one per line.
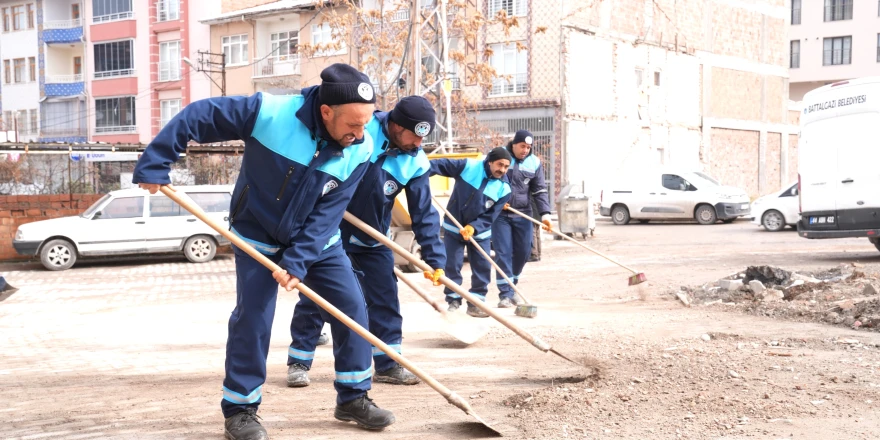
column 842, row 296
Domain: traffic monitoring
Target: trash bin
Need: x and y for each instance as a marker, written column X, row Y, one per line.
column 575, row 211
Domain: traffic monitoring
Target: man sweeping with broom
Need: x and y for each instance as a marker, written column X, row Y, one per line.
column 479, row 194
column 397, row 163
column 511, row 233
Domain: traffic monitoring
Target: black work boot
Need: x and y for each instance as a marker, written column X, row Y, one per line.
column 365, row 413
column 476, row 312
column 397, row 375
column 245, row 426
column 454, row 305
column 297, row 376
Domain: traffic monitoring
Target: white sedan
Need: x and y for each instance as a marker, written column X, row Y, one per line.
column 776, row 211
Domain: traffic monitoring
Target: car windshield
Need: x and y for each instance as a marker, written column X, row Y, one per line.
column 88, row 212
column 707, row 178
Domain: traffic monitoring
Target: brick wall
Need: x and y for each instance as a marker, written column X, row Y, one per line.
column 792, row 157
column 773, row 163
column 18, row 210
column 735, row 158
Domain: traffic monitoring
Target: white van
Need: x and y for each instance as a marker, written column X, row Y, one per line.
column 129, row 222
column 671, row 194
column 838, row 153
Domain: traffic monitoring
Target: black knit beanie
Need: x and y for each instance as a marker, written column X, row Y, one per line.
column 523, row 136
column 343, row 84
column 498, row 154
column 415, row 114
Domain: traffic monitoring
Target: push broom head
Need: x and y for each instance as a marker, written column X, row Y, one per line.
column 638, row 278
column 526, row 310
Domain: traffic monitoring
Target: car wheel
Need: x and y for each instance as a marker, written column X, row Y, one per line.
column 200, row 249
column 773, row 221
column 705, row 215
column 58, row 255
column 620, row 215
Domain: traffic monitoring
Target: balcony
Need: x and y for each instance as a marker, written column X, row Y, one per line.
column 120, row 129
column 510, row 85
column 62, row 31
column 129, row 15
column 114, row 73
column 273, row 67
column 64, row 85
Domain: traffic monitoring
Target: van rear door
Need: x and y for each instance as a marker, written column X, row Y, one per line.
column 817, row 167
column 858, row 184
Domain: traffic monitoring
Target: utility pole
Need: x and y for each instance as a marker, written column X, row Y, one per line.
column 431, row 37
column 208, row 65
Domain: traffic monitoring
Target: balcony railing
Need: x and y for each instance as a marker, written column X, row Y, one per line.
column 517, row 84
column 277, row 66
column 795, row 61
column 114, row 73
column 169, row 71
column 167, row 10
column 63, row 79
column 400, row 15
column 116, row 129
column 113, row 17
column 62, row 24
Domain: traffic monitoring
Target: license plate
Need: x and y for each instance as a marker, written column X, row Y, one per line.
column 744, row 206
column 822, row 220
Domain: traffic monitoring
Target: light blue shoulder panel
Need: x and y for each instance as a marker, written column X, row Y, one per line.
column 473, row 173
column 279, row 130
column 342, row 167
column 496, row 189
column 404, row 167
column 530, row 164
column 374, row 128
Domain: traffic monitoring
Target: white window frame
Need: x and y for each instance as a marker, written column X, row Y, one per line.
column 116, row 16
column 275, row 40
column 226, row 42
column 23, row 18
column 24, row 71
column 169, row 61
column 518, row 83
column 168, row 108
column 323, row 34
column 167, row 10
column 120, row 72
column 117, row 129
column 514, row 8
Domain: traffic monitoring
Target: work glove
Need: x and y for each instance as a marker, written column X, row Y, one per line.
column 467, row 232
column 545, row 219
column 506, row 205
column 434, row 277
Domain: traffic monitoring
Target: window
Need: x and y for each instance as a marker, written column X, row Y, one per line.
column 212, row 201
column 795, row 11
column 7, row 72
column 511, row 66
column 169, row 61
column 323, row 41
column 19, row 20
column 657, row 79
column 675, row 183
column 168, row 10
column 168, row 109
column 63, row 118
column 77, row 65
column 34, row 118
column 115, row 115
column 74, row 11
column 126, row 207
column 513, row 8
column 162, row 206
column 21, row 121
column 284, row 44
column 32, row 64
column 30, row 15
column 235, row 47
column 114, row 59
column 836, row 10
column 7, row 22
column 795, row 61
column 111, row 10
column 19, row 70
column 837, row 51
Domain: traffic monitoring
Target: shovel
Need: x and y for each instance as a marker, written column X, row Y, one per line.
column 468, row 335
column 636, row 278
column 527, row 310
column 530, row 338
column 450, row 396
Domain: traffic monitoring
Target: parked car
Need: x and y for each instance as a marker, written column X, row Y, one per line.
column 129, row 222
column 672, row 194
column 776, row 211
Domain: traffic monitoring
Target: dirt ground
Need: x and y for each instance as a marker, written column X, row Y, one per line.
column 134, row 350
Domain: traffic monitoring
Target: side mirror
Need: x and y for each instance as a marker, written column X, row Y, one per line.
column 97, row 215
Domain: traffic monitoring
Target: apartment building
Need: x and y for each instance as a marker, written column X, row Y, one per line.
column 832, row 40
column 21, row 82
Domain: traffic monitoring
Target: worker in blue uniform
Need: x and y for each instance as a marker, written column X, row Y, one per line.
column 398, row 163
column 511, row 233
column 304, row 156
column 477, row 199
